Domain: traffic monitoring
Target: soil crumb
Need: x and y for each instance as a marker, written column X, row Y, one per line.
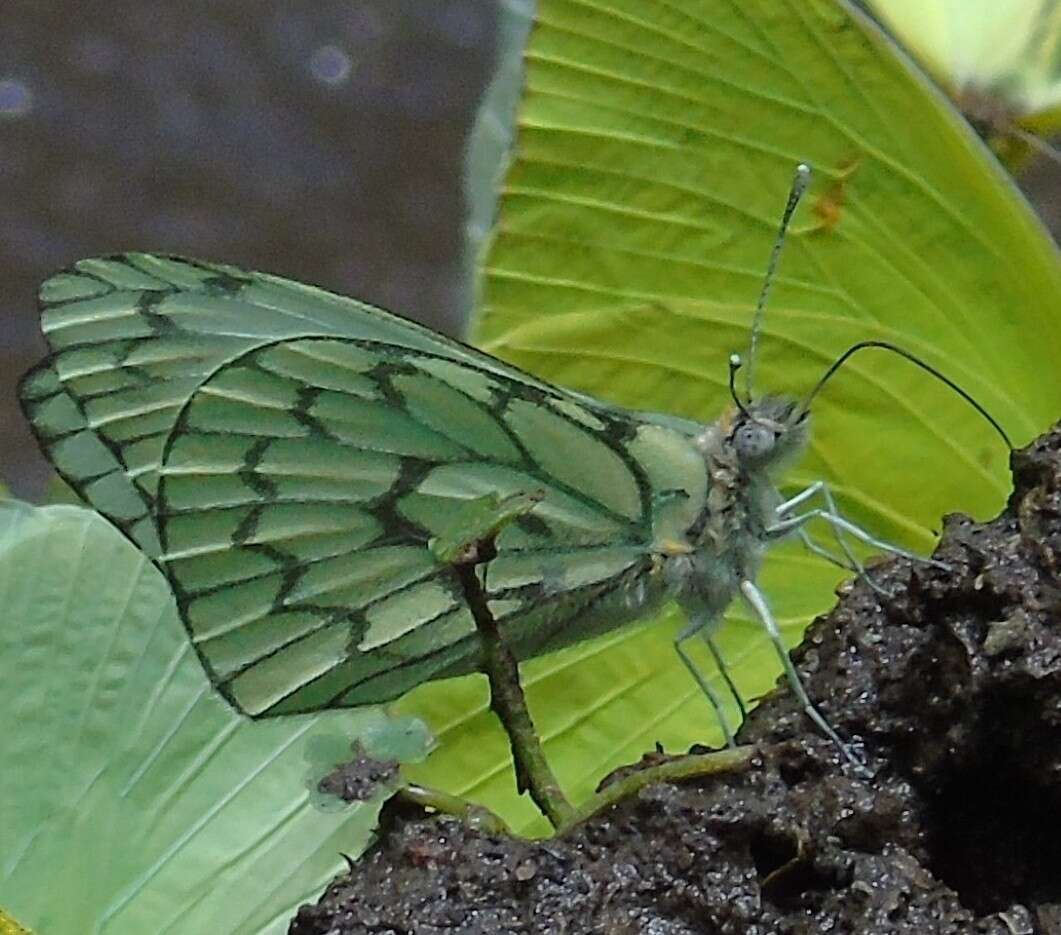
column 951, row 685
column 359, row 778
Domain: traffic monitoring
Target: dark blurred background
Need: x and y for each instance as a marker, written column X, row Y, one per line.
column 320, row 141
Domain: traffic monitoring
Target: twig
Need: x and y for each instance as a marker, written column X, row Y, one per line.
column 685, row 767
column 476, row 816
column 507, row 701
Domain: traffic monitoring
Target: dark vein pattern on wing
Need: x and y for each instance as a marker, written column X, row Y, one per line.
column 304, row 480
column 132, row 337
column 301, row 487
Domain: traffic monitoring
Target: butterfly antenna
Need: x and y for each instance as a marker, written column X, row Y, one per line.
column 914, row 359
column 735, row 364
column 799, row 186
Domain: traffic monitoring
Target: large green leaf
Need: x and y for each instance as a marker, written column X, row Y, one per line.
column 656, row 141
column 132, row 799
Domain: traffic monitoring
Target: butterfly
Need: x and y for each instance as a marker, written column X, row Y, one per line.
column 286, row 456
column 291, row 459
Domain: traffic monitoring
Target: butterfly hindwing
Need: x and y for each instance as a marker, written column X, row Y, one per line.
column 304, row 482
column 287, row 457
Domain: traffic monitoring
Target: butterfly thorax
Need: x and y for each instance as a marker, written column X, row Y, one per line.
column 743, row 454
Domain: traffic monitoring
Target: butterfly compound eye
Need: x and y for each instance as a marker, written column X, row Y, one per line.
column 753, row 441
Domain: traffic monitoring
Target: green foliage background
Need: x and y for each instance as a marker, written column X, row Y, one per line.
column 655, row 142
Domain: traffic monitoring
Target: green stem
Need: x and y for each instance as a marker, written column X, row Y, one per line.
column 476, row 816
column 686, row 767
column 507, row 701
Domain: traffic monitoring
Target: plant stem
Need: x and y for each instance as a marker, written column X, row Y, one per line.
column 507, row 701
column 476, row 816
column 685, row 767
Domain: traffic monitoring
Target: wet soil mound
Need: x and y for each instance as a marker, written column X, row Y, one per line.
column 953, row 686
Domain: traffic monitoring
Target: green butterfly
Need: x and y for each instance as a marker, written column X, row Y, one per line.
column 288, row 457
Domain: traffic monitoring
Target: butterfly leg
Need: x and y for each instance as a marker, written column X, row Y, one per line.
column 724, row 669
column 851, row 561
column 757, row 603
column 698, row 625
column 848, row 560
column 831, row 514
column 811, row 546
column 790, row 523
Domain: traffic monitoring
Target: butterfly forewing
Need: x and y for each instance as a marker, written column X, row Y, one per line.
column 287, row 456
column 133, row 336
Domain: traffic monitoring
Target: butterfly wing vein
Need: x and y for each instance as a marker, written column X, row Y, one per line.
column 286, row 456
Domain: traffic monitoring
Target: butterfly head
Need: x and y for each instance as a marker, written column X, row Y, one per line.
column 769, row 433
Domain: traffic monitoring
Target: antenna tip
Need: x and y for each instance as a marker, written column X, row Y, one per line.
column 735, row 361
